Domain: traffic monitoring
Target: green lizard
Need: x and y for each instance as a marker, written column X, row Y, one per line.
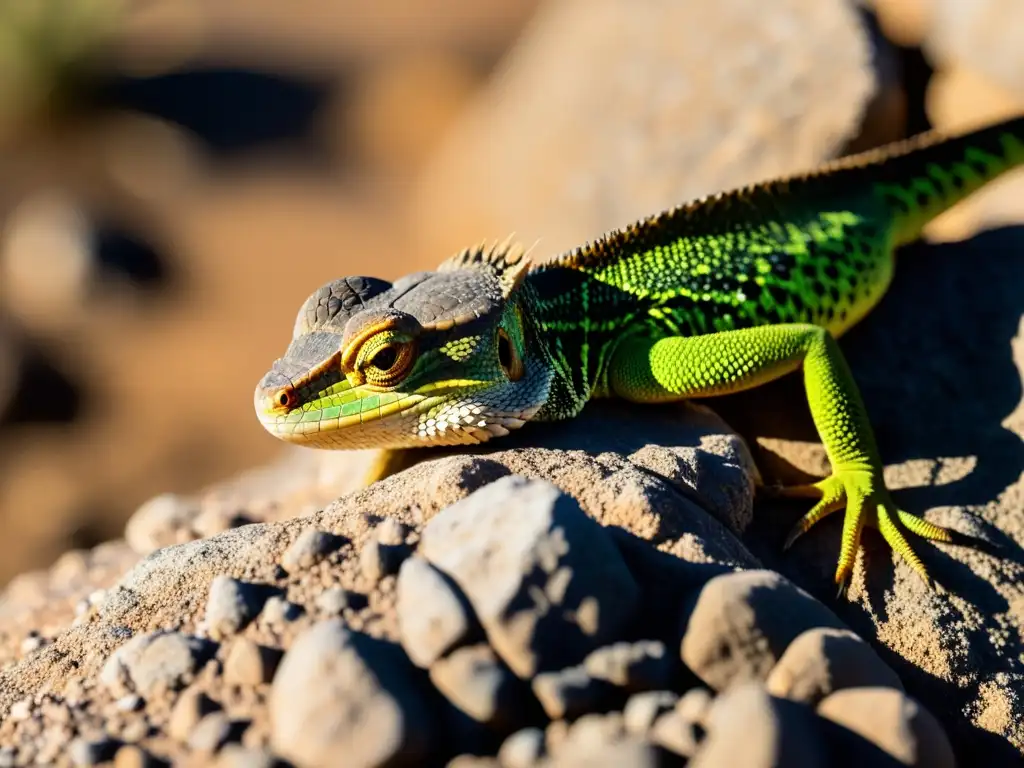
column 712, row 297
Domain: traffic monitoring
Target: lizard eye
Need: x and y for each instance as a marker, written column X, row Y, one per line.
column 508, row 357
column 390, row 363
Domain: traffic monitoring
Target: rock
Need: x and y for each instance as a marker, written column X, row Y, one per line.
column 676, row 734
column 378, row 560
column 130, row 703
column 595, row 729
column 433, row 617
column 133, row 756
column 640, row 666
column 821, row 661
column 694, row 706
column 571, row 692
column 545, row 580
column 191, row 707
column 390, row 532
column 476, row 681
column 249, row 664
column 237, row 756
column 160, row 522
column 149, row 663
column 748, row 727
column 670, row 118
column 91, row 752
column 330, row 684
column 522, row 749
column 231, row 605
column 211, row 733
column 740, row 624
column 278, row 611
column 332, row 601
column 631, row 752
column 892, row 721
column 979, row 35
column 309, row 548
column 643, row 709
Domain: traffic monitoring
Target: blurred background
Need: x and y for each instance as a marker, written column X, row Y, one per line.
column 176, row 176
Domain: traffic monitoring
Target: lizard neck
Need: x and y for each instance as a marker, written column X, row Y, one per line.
column 575, row 321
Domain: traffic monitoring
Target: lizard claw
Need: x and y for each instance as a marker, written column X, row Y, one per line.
column 864, row 495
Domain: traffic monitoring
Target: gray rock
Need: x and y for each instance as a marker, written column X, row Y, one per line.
column 892, row 721
column 277, row 610
column 91, row 752
column 822, row 661
column 250, row 664
column 629, row 751
column 390, row 532
column 640, row 666
column 676, row 734
column 643, row 709
column 237, row 756
column 378, row 560
column 432, row 617
column 309, row 548
column 231, row 605
column 545, row 580
column 191, row 707
column 522, row 749
column 748, row 727
column 570, row 692
column 738, row 626
column 149, row 663
column 476, row 681
column 330, row 684
column 332, row 601
column 211, row 733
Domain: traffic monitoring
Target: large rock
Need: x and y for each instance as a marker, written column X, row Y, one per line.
column 545, row 581
column 609, row 110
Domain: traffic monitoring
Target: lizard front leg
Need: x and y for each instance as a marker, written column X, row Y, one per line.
column 659, row 370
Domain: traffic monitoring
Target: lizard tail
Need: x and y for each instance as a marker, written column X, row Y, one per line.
column 930, row 173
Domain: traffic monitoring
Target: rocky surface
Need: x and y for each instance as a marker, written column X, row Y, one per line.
column 542, row 605
column 608, row 591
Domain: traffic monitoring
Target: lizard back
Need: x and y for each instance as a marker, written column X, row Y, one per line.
column 814, row 247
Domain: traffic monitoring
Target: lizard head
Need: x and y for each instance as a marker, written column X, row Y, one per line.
column 437, row 358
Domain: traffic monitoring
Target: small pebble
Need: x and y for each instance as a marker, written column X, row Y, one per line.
column 191, row 707
column 390, row 532
column 249, row 664
column 277, row 610
column 33, row 642
column 378, row 560
column 675, row 734
column 643, row 709
column 570, row 692
column 135, row 730
column 639, row 666
column 8, row 757
column 309, row 548
column 154, row 661
column 231, row 605
column 20, row 710
column 237, row 756
column 84, row 752
column 130, row 703
column 522, row 749
column 211, row 733
column 332, row 601
column 132, row 756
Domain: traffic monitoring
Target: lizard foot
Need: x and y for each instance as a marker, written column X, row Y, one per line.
column 864, row 495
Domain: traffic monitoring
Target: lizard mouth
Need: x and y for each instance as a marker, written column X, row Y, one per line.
column 352, row 419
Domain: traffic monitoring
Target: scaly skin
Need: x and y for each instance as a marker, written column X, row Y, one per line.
column 712, row 297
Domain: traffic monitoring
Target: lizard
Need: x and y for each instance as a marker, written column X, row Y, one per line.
column 713, row 296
